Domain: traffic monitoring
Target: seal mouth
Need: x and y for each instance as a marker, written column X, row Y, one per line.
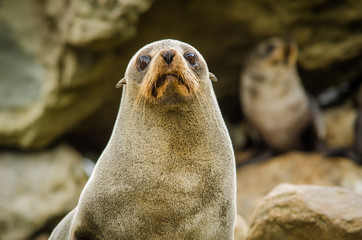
column 165, row 80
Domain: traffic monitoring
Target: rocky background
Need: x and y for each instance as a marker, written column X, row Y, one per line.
column 60, row 61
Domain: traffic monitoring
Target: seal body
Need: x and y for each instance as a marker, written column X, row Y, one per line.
column 273, row 99
column 168, row 171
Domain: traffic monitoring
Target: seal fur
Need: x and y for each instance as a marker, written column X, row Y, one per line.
column 168, row 171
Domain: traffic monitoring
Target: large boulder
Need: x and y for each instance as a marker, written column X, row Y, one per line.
column 36, row 189
column 256, row 180
column 53, row 73
column 293, row 212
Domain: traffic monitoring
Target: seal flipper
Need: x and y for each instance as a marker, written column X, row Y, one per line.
column 121, row 83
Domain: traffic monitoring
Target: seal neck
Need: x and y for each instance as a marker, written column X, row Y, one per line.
column 160, row 132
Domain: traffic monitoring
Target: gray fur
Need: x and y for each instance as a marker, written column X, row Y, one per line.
column 168, row 171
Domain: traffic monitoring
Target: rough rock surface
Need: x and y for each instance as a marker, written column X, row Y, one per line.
column 256, row 180
column 53, row 73
column 226, row 31
column 293, row 212
column 37, row 188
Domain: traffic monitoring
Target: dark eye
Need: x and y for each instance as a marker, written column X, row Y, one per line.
column 143, row 62
column 191, row 58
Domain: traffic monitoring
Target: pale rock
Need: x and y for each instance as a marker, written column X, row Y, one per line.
column 37, row 188
column 254, row 181
column 292, row 212
column 102, row 23
column 53, row 73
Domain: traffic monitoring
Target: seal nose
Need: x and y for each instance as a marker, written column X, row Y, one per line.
column 168, row 56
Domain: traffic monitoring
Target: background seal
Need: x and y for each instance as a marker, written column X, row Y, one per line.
column 280, row 113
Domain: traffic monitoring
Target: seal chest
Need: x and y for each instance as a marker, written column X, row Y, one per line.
column 168, row 171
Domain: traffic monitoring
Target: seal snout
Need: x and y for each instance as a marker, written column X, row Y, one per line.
column 168, row 55
column 169, row 75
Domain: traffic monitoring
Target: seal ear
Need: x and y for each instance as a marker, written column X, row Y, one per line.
column 121, row 83
column 212, row 77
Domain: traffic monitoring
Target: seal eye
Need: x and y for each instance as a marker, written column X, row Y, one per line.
column 191, row 58
column 143, row 62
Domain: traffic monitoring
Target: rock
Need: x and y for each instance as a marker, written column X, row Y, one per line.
column 99, row 24
column 293, row 212
column 241, row 228
column 54, row 79
column 256, row 180
column 36, row 189
column 339, row 123
column 323, row 30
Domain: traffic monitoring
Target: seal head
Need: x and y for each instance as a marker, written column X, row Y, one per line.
column 166, row 72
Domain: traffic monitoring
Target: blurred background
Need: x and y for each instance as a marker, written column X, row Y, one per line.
column 60, row 61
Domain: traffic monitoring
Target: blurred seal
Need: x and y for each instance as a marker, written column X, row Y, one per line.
column 168, row 171
column 274, row 101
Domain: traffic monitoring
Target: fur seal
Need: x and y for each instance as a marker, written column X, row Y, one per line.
column 273, row 99
column 168, row 171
